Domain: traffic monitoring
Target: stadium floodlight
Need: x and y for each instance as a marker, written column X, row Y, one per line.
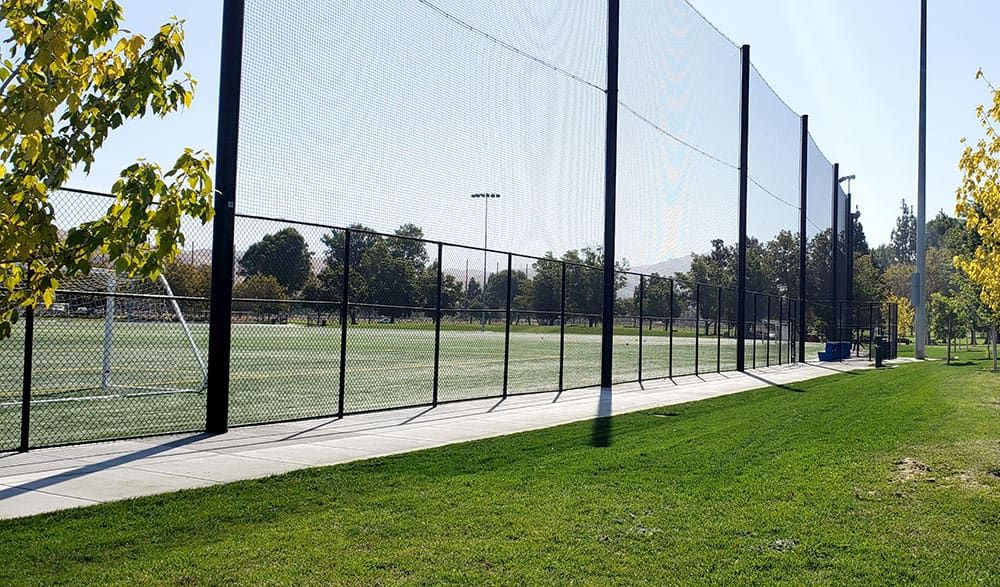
column 486, row 197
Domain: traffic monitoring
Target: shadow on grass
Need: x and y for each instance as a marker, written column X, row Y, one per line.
column 961, row 363
column 774, row 384
column 600, row 435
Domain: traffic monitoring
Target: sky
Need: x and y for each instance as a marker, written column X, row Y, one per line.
column 850, row 64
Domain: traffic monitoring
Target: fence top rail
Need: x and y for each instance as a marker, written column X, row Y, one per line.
column 671, row 278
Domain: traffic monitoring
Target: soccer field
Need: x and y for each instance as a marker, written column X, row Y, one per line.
column 287, row 371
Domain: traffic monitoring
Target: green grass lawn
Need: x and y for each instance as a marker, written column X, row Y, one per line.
column 876, row 477
column 289, row 371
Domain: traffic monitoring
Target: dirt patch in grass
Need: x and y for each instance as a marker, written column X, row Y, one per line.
column 910, row 469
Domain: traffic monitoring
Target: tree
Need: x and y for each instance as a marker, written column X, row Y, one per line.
column 71, row 78
column 546, row 290
column 283, row 255
column 859, row 239
column 882, row 257
column 261, row 293
column 473, row 292
column 979, row 202
column 939, row 229
column 945, row 316
column 657, row 302
column 898, row 279
column 940, row 267
column 904, row 236
column 904, row 313
column 869, row 285
column 780, row 260
column 189, row 279
column 585, row 282
column 406, row 248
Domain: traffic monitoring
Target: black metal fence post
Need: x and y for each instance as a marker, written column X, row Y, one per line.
column 642, row 317
column 718, row 331
column 753, row 330
column 562, row 324
column 437, row 324
column 767, row 335
column 506, row 330
column 221, row 303
column 345, row 293
column 781, row 324
column 741, row 255
column 871, row 328
column 697, row 326
column 29, row 342
column 610, row 195
column 803, row 221
column 670, row 333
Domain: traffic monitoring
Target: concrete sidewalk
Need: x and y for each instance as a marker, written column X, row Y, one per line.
column 52, row 479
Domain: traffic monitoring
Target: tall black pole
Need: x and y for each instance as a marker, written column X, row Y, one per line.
column 562, row 323
column 221, row 304
column 741, row 258
column 345, row 300
column 506, row 327
column 610, row 187
column 642, row 317
column 803, row 220
column 29, row 341
column 437, row 325
column 835, row 254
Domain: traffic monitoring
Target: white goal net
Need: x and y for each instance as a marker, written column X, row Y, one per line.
column 107, row 334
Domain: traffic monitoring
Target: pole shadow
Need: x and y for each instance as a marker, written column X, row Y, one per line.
column 600, row 435
column 45, row 482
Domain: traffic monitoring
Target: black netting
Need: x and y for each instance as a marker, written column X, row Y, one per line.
column 819, row 248
column 396, row 113
column 678, row 137
column 773, row 196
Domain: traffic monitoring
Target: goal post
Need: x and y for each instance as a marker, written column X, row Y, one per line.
column 153, row 316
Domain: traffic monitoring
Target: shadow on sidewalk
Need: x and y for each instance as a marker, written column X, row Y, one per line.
column 91, row 468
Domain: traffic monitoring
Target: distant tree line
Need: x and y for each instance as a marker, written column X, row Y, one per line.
column 395, row 276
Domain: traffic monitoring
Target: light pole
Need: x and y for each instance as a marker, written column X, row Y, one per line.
column 920, row 278
column 486, row 197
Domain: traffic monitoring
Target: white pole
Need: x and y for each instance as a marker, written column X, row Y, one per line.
column 187, row 330
column 920, row 303
column 109, row 324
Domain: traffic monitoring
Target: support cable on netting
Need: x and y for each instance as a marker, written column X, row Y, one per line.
column 510, row 47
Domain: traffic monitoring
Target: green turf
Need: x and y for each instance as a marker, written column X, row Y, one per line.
column 791, row 485
column 288, row 371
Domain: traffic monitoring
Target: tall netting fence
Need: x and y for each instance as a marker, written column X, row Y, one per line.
column 678, row 167
column 420, row 218
column 820, row 294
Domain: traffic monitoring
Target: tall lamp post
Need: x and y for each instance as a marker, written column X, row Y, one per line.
column 486, row 197
column 919, row 285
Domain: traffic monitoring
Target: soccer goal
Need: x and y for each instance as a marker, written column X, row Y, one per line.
column 128, row 333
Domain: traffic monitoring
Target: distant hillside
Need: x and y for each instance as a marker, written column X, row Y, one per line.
column 666, row 268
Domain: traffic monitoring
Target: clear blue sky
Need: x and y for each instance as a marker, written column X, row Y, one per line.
column 850, row 64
